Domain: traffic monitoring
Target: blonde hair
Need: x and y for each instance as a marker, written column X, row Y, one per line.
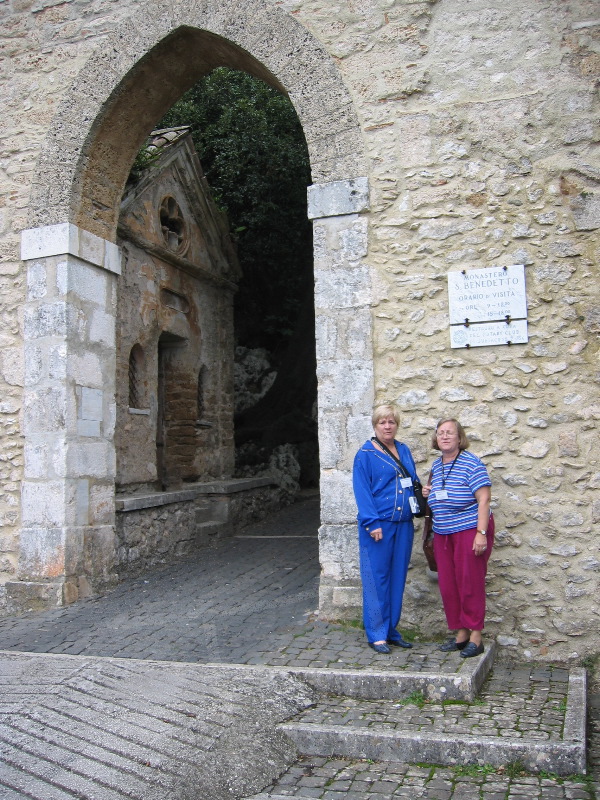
column 463, row 441
column 385, row 410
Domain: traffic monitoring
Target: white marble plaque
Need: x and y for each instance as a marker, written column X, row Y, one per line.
column 489, row 333
column 483, row 295
column 91, row 403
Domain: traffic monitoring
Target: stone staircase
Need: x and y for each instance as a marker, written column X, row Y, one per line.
column 456, row 712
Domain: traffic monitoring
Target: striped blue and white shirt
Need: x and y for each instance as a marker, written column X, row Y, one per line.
column 460, row 478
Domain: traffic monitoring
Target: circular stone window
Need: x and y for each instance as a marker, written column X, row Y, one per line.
column 172, row 225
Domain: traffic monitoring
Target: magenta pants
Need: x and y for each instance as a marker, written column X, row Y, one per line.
column 461, row 577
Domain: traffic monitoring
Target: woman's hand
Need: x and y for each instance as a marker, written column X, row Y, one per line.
column 483, row 497
column 479, row 544
column 426, row 490
column 376, row 535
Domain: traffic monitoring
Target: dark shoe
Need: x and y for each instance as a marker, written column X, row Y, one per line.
column 451, row 645
column 380, row 648
column 471, row 650
column 399, row 643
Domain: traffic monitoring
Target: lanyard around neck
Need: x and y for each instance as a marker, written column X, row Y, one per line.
column 447, row 477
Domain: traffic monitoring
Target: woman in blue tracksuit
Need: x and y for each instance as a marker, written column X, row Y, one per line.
column 385, row 527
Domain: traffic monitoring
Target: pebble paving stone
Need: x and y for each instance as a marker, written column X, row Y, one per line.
column 129, row 704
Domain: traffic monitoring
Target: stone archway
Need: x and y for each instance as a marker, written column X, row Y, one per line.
column 68, row 491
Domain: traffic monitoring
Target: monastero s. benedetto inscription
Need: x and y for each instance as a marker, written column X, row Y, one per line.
column 487, row 306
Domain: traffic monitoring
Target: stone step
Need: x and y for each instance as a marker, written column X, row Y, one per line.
column 537, row 720
column 461, row 679
column 336, row 659
column 209, row 529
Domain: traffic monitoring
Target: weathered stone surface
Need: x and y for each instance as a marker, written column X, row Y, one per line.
column 474, row 129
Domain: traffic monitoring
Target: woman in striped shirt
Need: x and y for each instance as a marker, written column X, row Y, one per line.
column 459, row 496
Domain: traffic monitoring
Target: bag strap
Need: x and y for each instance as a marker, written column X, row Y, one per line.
column 403, row 469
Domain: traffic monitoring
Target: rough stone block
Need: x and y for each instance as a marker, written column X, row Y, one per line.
column 337, row 498
column 37, row 459
column 44, row 503
column 337, row 198
column 345, row 384
column 340, row 242
column 102, row 504
column 338, row 289
column 586, row 211
column 50, row 319
column 32, row 596
column 91, row 459
column 42, row 552
column 49, row 240
column 46, row 410
column 12, row 370
column 102, row 329
column 331, row 439
column 67, row 239
column 83, row 280
column 338, row 551
column 36, row 281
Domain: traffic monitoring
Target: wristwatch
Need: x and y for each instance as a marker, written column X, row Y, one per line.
column 482, row 532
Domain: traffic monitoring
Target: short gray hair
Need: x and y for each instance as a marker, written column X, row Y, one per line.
column 385, row 410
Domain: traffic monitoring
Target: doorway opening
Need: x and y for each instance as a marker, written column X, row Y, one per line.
column 255, row 159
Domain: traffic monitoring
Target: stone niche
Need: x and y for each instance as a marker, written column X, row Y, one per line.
column 174, row 420
column 174, row 410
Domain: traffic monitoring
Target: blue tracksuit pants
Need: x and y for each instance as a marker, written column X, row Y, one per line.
column 383, row 568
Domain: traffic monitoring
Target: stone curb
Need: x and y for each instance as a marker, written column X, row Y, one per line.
column 574, row 729
column 385, row 685
column 449, row 750
column 388, row 685
column 263, row 796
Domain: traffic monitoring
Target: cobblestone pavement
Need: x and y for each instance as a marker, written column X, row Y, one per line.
column 341, row 779
column 524, row 703
column 251, row 600
column 233, row 602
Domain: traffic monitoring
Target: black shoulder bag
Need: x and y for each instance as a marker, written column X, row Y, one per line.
column 416, row 484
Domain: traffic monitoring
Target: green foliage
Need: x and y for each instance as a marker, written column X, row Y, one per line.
column 143, row 160
column 410, row 634
column 416, row 698
column 255, row 159
column 513, row 769
column 591, row 662
column 473, row 770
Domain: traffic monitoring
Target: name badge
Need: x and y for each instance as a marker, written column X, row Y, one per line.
column 441, row 494
column 405, row 483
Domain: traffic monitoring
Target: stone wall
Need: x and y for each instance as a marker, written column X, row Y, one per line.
column 153, row 528
column 479, row 124
column 474, row 125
